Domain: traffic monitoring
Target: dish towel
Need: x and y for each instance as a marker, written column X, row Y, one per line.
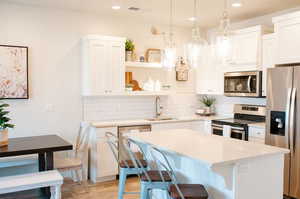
column 227, row 131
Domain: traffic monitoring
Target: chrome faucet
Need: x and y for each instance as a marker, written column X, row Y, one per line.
column 158, row 107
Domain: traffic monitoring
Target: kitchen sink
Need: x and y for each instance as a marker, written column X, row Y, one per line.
column 161, row 119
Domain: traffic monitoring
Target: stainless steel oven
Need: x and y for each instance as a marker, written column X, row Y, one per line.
column 236, row 132
column 243, row 84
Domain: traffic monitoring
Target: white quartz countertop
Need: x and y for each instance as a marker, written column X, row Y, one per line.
column 115, row 123
column 210, row 149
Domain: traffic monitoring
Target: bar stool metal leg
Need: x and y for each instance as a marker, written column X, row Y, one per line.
column 122, row 182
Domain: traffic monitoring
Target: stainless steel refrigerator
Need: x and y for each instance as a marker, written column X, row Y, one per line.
column 283, row 121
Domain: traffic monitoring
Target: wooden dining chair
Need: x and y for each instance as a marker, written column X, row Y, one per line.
column 75, row 163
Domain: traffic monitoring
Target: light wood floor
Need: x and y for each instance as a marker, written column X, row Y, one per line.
column 106, row 190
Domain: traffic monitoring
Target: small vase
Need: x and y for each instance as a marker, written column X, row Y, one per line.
column 3, row 138
column 208, row 110
column 129, row 55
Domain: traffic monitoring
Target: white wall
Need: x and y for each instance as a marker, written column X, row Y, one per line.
column 55, row 104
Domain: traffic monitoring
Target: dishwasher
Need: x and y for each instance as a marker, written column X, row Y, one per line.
column 126, row 130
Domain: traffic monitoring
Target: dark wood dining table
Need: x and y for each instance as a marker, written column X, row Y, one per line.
column 44, row 146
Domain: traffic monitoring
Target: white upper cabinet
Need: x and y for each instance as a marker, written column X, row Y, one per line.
column 103, row 65
column 210, row 74
column 287, row 29
column 246, row 49
column 268, row 56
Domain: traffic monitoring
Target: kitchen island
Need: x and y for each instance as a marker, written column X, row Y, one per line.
column 228, row 168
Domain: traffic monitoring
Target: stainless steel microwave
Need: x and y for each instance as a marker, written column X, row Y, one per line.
column 243, row 84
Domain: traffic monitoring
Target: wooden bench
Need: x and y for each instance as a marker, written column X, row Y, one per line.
column 51, row 179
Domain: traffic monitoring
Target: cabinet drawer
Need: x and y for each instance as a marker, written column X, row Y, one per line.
column 257, row 132
column 100, row 132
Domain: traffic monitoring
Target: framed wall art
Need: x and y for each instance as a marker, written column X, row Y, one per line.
column 153, row 55
column 13, row 72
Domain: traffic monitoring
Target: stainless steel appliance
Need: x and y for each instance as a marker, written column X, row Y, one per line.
column 283, row 121
column 243, row 115
column 243, row 84
column 122, row 130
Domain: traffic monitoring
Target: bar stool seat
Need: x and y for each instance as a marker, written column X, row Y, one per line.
column 130, row 164
column 155, row 176
column 189, row 191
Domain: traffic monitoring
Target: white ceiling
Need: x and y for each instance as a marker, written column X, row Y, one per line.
column 157, row 11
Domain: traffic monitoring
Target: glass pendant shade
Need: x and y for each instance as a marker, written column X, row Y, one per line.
column 169, row 52
column 169, row 57
column 194, row 48
column 224, row 39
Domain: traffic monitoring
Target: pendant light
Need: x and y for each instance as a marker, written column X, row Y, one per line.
column 193, row 49
column 169, row 52
column 224, row 41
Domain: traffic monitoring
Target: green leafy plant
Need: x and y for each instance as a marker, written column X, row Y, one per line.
column 4, row 119
column 208, row 101
column 129, row 45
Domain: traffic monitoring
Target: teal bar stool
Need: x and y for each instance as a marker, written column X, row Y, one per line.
column 177, row 190
column 127, row 166
column 150, row 179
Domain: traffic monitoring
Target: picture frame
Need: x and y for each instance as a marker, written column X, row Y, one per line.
column 153, row 55
column 14, row 83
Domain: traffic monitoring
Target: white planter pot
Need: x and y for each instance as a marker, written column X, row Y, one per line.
column 129, row 55
column 3, row 137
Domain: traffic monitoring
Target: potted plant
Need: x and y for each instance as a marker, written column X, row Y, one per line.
column 208, row 103
column 4, row 125
column 129, row 47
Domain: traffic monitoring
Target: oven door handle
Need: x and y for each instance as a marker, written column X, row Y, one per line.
column 249, row 83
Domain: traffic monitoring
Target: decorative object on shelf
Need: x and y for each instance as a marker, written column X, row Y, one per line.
column 153, row 55
column 4, row 125
column 224, row 38
column 149, row 85
column 182, row 70
column 208, row 103
column 169, row 52
column 129, row 47
column 194, row 48
column 130, row 84
column 13, row 72
column 142, row 59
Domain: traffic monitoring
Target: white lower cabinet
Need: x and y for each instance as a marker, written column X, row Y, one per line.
column 103, row 165
column 257, row 134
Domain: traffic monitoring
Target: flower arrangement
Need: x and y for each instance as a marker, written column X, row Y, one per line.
column 208, row 101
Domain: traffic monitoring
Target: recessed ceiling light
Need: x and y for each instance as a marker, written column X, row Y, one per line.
column 192, row 18
column 116, row 7
column 236, row 5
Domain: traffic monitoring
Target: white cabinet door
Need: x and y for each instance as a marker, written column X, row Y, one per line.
column 103, row 165
column 268, row 59
column 247, row 49
column 117, row 67
column 103, row 65
column 210, row 75
column 107, row 165
column 257, row 135
column 95, row 61
column 287, row 29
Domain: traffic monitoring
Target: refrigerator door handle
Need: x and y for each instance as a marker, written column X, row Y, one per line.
column 287, row 118
column 292, row 120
